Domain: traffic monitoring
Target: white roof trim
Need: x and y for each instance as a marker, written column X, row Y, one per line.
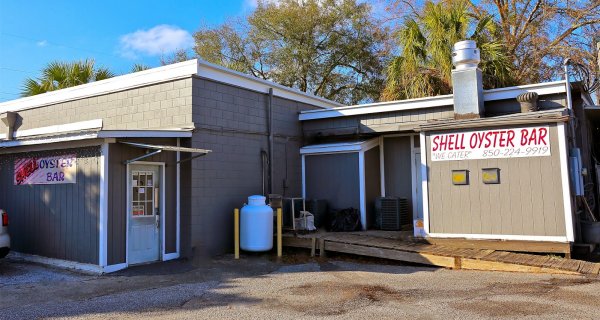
column 144, row 134
column 219, row 73
column 30, row 142
column 162, row 74
column 432, row 102
column 119, row 83
column 166, row 148
column 342, row 147
column 57, row 129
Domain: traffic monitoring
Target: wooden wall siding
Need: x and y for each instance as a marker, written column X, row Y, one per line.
column 333, row 177
column 528, row 201
column 372, row 182
column 56, row 221
column 117, row 196
column 398, row 170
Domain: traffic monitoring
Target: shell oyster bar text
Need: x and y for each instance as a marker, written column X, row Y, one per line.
column 490, row 144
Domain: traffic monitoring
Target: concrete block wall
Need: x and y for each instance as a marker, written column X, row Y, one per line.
column 166, row 105
column 375, row 122
column 232, row 122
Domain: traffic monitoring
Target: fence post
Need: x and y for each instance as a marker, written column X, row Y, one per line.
column 236, row 232
column 279, row 239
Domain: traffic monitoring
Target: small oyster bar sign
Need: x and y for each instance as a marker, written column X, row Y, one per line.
column 47, row 170
column 491, row 144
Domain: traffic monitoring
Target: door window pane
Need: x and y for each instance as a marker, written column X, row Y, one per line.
column 142, row 188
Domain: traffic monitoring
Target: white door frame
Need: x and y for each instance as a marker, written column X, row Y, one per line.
column 161, row 220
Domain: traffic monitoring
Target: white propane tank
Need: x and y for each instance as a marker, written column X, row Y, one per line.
column 256, row 225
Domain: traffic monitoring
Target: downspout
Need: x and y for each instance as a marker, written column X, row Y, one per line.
column 574, row 156
column 569, row 100
column 270, row 129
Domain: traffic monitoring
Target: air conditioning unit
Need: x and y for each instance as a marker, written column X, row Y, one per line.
column 391, row 213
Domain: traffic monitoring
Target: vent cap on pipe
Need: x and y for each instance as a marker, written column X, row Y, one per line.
column 465, row 55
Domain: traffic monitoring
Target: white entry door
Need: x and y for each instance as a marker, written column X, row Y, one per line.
column 418, row 185
column 145, row 187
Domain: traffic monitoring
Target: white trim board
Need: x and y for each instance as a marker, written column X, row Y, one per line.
column 30, row 142
column 431, row 102
column 341, row 147
column 103, row 207
column 97, row 135
column 566, row 186
column 228, row 76
column 362, row 189
column 499, row 237
column 144, row 134
column 177, row 71
column 424, row 181
column 59, row 263
column 359, row 147
column 57, row 129
column 120, row 83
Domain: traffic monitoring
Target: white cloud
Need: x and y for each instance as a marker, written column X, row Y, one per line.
column 252, row 4
column 42, row 43
column 162, row 39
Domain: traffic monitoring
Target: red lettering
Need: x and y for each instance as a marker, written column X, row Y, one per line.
column 543, row 135
column 487, row 138
column 435, row 143
column 443, row 142
column 480, row 136
column 462, row 141
column 533, row 137
column 509, row 139
column 473, row 141
column 524, row 134
column 451, row 141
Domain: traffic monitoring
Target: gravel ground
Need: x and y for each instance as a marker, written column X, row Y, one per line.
column 258, row 288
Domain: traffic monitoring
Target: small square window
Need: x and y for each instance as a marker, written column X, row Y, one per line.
column 490, row 175
column 460, row 177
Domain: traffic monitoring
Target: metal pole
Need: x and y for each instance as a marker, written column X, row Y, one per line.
column 236, row 232
column 279, row 237
column 569, row 102
column 271, row 157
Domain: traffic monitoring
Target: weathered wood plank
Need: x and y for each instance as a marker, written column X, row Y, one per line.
column 470, row 257
column 474, row 264
column 428, row 259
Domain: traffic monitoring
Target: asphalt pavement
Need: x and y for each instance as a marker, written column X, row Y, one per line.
column 299, row 287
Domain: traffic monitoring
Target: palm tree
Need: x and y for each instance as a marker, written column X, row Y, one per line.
column 139, row 67
column 59, row 75
column 424, row 66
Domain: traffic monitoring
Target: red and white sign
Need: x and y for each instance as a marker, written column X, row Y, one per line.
column 47, row 170
column 491, row 144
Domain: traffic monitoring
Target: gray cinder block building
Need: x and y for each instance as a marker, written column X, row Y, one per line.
column 147, row 166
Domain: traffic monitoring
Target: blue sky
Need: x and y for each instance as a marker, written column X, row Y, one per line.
column 115, row 33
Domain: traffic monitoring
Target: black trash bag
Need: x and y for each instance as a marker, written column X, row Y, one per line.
column 345, row 220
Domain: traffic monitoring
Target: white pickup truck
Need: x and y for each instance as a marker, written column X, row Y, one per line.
column 4, row 237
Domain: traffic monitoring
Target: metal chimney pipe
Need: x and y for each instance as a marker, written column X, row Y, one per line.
column 467, row 82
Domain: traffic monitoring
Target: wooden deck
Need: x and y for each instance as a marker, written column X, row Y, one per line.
column 401, row 247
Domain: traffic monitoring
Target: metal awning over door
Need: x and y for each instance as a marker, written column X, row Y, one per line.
column 160, row 148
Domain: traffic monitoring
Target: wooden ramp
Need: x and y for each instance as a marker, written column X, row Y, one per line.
column 394, row 248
